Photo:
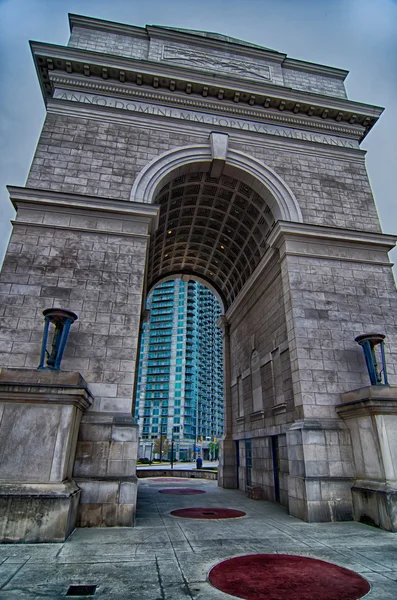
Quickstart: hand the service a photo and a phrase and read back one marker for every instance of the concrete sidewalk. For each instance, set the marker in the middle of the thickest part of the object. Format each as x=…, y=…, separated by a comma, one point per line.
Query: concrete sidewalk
x=167, y=558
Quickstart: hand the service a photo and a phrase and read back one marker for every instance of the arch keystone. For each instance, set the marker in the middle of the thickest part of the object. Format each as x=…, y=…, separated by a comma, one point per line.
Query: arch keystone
x=266, y=182
x=219, y=147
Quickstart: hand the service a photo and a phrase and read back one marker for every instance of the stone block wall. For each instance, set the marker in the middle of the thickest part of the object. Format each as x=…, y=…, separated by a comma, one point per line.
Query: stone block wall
x=332, y=188
x=262, y=466
x=334, y=290
x=260, y=324
x=313, y=82
x=96, y=157
x=88, y=263
x=109, y=43
x=262, y=473
x=333, y=301
x=321, y=471
x=99, y=157
x=284, y=469
x=104, y=470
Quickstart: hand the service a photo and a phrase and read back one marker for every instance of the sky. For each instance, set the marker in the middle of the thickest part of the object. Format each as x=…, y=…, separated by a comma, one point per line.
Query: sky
x=356, y=35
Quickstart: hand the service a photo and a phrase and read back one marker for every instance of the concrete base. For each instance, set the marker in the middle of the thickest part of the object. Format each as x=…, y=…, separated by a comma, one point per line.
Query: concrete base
x=375, y=506
x=105, y=470
x=38, y=512
x=371, y=415
x=322, y=499
x=109, y=502
x=40, y=413
x=321, y=470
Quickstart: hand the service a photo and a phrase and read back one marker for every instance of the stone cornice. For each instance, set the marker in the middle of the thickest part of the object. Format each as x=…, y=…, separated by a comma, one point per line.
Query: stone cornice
x=182, y=81
x=305, y=232
x=368, y=401
x=138, y=210
x=29, y=393
x=96, y=85
x=367, y=407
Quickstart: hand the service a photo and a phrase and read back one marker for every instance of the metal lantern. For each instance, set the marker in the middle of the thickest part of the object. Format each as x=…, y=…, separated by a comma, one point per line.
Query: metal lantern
x=369, y=342
x=62, y=320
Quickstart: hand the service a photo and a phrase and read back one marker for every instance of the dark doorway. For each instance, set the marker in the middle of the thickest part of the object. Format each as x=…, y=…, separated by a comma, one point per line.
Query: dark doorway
x=276, y=467
x=238, y=463
x=248, y=462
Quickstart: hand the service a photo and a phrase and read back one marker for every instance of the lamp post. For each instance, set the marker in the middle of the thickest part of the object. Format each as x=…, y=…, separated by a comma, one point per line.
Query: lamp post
x=151, y=452
x=175, y=429
x=196, y=454
x=172, y=449
x=368, y=342
x=62, y=320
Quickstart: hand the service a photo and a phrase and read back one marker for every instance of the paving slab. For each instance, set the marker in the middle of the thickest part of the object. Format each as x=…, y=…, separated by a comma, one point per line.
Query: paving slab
x=169, y=558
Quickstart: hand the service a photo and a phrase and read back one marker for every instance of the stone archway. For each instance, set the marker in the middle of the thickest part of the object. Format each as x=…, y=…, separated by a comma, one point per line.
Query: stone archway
x=215, y=219
x=297, y=291
x=178, y=161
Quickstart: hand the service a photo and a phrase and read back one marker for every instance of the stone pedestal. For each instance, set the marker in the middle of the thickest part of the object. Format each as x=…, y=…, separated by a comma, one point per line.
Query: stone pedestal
x=371, y=415
x=105, y=470
x=321, y=471
x=40, y=413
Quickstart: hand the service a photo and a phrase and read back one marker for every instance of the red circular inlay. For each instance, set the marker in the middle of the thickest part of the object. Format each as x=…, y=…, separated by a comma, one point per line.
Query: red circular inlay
x=286, y=577
x=181, y=491
x=167, y=479
x=208, y=513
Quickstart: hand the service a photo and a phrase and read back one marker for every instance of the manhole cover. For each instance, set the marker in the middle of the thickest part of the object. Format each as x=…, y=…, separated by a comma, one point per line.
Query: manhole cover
x=81, y=590
x=181, y=491
x=207, y=513
x=286, y=577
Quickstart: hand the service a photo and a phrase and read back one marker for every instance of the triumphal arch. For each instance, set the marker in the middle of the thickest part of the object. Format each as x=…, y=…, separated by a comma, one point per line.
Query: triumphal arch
x=170, y=152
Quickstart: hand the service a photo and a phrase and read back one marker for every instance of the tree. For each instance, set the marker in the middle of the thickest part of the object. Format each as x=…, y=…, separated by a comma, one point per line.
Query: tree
x=161, y=447
x=213, y=449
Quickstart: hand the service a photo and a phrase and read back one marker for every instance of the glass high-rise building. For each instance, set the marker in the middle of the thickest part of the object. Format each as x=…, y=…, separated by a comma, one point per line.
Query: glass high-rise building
x=179, y=392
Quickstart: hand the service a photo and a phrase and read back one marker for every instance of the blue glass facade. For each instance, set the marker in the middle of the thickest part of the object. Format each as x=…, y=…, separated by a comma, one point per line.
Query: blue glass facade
x=180, y=378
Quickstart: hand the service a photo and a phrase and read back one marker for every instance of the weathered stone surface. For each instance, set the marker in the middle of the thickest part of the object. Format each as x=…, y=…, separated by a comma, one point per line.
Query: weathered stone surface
x=41, y=414
x=105, y=468
x=40, y=417
x=38, y=512
x=134, y=42
x=371, y=415
x=107, y=502
x=111, y=153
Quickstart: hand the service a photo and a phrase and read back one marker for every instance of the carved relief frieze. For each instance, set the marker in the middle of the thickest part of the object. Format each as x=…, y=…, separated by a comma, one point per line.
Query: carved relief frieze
x=216, y=61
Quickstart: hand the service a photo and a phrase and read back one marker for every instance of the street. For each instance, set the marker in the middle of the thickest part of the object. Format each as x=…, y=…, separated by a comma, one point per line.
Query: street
x=179, y=465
